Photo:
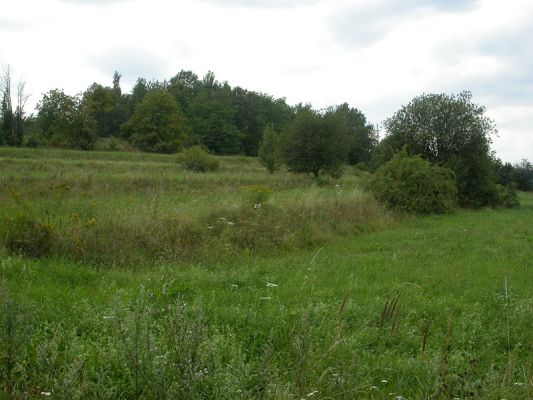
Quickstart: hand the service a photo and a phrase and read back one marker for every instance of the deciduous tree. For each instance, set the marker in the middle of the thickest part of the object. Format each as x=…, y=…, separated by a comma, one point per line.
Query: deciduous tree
x=452, y=131
x=157, y=124
x=269, y=151
x=315, y=143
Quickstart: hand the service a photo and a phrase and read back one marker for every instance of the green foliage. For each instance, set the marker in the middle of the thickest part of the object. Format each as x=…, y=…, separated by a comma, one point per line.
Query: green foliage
x=12, y=117
x=522, y=175
x=64, y=121
x=100, y=104
x=254, y=113
x=212, y=118
x=362, y=136
x=269, y=151
x=157, y=124
x=7, y=126
x=315, y=143
x=34, y=140
x=196, y=159
x=507, y=196
x=412, y=184
x=451, y=131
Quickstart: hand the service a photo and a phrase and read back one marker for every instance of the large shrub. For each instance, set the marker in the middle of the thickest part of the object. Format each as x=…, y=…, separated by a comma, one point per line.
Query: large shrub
x=414, y=185
x=196, y=159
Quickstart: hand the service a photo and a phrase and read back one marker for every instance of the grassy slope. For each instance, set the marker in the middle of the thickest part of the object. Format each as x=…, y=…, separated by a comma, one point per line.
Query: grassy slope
x=323, y=326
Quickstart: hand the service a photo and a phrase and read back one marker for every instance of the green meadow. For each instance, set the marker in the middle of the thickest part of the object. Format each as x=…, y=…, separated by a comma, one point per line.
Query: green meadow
x=124, y=276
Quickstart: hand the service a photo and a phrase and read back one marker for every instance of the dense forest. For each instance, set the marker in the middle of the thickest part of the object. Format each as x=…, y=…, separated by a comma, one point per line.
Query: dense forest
x=164, y=117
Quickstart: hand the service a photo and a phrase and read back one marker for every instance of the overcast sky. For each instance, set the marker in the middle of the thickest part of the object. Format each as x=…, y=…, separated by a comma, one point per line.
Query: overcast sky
x=374, y=54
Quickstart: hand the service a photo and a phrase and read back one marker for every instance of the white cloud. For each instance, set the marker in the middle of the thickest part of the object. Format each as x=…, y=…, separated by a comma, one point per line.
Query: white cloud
x=376, y=55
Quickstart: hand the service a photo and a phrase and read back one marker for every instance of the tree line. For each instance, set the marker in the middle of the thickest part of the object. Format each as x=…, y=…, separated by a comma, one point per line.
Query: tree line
x=167, y=116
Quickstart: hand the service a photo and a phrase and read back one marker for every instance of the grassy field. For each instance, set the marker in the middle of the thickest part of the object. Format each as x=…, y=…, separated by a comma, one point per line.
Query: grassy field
x=150, y=282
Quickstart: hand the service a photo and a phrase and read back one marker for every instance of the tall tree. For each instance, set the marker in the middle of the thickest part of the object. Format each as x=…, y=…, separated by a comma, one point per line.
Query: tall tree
x=7, y=130
x=120, y=108
x=12, y=127
x=157, y=124
x=363, y=137
x=212, y=118
x=65, y=120
x=19, y=117
x=315, y=143
x=184, y=87
x=100, y=103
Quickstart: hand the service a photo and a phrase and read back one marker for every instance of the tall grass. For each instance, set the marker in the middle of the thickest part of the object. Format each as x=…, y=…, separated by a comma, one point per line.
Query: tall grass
x=130, y=212
x=250, y=286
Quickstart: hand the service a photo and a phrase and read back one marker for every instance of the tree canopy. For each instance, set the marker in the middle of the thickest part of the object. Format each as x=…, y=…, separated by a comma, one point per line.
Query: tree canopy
x=65, y=121
x=157, y=124
x=361, y=135
x=315, y=143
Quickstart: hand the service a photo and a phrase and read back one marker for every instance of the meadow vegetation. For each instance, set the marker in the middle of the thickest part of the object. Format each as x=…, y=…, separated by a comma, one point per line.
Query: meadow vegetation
x=123, y=275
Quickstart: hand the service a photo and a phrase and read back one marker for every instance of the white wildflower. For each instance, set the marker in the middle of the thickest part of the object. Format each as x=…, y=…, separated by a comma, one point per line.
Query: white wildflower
x=265, y=298
x=271, y=285
x=384, y=381
x=47, y=394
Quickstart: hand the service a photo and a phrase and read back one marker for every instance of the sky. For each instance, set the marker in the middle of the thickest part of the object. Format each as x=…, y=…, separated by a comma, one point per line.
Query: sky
x=376, y=55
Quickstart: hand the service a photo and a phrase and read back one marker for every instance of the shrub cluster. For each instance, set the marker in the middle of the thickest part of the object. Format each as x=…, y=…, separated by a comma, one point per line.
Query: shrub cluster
x=412, y=184
x=196, y=159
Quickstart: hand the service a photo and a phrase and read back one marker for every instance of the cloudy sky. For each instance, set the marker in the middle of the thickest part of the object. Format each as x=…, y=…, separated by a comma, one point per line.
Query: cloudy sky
x=374, y=54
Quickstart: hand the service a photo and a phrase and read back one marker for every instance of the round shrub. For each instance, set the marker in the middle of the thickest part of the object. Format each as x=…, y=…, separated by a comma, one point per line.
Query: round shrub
x=196, y=159
x=414, y=185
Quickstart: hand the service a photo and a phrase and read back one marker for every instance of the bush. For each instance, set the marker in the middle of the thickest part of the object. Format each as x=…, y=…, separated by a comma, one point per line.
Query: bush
x=34, y=141
x=507, y=196
x=269, y=151
x=414, y=185
x=256, y=194
x=196, y=159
